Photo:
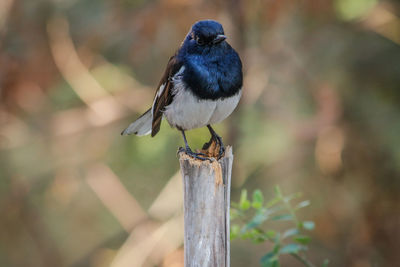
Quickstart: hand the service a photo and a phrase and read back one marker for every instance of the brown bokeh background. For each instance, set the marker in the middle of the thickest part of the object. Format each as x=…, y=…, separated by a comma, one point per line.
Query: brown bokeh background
x=320, y=114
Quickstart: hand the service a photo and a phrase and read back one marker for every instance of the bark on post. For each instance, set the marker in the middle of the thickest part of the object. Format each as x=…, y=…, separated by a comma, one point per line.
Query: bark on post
x=206, y=210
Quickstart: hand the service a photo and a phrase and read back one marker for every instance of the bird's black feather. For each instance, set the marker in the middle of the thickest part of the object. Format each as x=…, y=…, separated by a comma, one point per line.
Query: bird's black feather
x=165, y=98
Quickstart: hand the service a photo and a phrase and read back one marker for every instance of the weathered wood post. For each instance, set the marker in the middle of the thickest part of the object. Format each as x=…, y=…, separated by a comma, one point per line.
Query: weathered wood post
x=206, y=189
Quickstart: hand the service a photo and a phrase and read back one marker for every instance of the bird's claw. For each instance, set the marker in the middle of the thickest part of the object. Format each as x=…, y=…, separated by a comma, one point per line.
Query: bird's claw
x=218, y=141
x=192, y=154
x=221, y=151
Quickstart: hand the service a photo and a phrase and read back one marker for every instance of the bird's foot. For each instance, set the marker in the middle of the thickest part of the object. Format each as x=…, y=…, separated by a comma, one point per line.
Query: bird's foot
x=199, y=156
x=207, y=145
x=221, y=146
x=214, y=148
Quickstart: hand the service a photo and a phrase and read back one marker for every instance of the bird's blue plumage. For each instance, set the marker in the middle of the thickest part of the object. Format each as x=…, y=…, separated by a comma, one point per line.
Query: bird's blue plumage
x=212, y=71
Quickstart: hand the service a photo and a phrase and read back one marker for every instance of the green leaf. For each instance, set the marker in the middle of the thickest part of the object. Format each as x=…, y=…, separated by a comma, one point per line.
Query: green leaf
x=258, y=196
x=292, y=248
x=302, y=204
x=258, y=219
x=308, y=225
x=258, y=236
x=259, y=239
x=243, y=196
x=273, y=202
x=256, y=205
x=270, y=260
x=261, y=216
x=283, y=217
x=258, y=199
x=290, y=232
x=277, y=242
x=270, y=234
x=325, y=263
x=244, y=203
x=254, y=233
x=277, y=248
x=302, y=239
x=244, y=234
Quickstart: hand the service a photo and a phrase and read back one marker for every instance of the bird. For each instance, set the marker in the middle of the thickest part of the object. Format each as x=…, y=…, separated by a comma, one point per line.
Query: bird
x=201, y=86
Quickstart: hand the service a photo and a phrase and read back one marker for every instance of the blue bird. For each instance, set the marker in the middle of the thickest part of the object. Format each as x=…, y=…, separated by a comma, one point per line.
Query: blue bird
x=202, y=85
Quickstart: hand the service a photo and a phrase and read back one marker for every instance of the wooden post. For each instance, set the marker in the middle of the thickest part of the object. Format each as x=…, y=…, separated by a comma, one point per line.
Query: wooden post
x=206, y=210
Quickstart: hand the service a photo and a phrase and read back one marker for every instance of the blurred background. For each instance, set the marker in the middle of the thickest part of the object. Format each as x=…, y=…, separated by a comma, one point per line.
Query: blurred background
x=320, y=114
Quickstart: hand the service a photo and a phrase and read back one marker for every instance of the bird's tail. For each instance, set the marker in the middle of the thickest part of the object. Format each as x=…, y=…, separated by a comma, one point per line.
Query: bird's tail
x=141, y=126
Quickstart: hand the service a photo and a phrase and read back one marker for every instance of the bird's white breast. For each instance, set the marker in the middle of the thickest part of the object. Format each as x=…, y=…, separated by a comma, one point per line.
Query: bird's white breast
x=224, y=108
x=188, y=112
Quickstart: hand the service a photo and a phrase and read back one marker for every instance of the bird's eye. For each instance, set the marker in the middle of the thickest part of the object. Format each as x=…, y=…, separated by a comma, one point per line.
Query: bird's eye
x=200, y=41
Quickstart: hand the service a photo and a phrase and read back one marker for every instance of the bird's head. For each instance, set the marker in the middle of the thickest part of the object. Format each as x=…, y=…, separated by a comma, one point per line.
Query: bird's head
x=206, y=33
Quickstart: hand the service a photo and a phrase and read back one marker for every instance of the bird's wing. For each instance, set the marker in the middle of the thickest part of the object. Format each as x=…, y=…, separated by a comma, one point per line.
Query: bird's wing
x=164, y=94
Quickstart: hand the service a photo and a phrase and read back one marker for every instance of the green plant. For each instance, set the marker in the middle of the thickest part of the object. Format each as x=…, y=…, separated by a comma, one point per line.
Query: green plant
x=250, y=218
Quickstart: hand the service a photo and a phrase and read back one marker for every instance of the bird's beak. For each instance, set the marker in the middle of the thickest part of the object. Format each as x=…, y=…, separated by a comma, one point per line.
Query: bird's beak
x=219, y=38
